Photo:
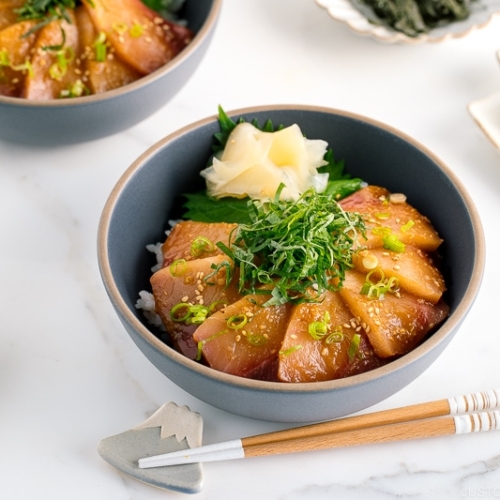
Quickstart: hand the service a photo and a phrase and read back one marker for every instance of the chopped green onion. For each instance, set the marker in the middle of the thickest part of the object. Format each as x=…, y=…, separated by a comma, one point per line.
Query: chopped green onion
x=354, y=346
x=406, y=227
x=290, y=350
x=201, y=245
x=256, y=339
x=5, y=61
x=318, y=329
x=64, y=57
x=392, y=242
x=189, y=313
x=136, y=30
x=4, y=58
x=335, y=337
x=75, y=89
x=237, y=321
x=177, y=316
x=382, y=230
x=120, y=27
x=378, y=289
x=178, y=267
x=201, y=343
x=100, y=47
x=213, y=305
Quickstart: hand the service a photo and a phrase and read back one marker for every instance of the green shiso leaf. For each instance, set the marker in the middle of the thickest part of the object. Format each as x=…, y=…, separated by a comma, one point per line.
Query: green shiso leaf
x=203, y=208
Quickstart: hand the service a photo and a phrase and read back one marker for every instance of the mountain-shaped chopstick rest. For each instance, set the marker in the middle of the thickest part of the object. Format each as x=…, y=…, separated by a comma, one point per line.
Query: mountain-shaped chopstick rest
x=170, y=428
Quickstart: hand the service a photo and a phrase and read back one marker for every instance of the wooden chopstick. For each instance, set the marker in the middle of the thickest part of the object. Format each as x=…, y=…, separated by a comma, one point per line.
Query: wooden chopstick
x=410, y=422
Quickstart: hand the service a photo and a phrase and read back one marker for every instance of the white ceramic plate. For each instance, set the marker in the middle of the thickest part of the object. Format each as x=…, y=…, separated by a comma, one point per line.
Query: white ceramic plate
x=486, y=113
x=482, y=12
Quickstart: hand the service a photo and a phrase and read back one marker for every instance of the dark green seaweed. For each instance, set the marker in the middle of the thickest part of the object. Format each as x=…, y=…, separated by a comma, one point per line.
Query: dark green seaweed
x=414, y=17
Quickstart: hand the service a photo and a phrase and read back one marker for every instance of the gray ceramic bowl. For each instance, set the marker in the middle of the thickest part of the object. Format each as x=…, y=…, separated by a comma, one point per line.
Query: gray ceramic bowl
x=140, y=205
x=66, y=121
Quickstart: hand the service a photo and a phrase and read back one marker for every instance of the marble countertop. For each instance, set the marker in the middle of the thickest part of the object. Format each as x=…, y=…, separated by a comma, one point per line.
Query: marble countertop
x=70, y=375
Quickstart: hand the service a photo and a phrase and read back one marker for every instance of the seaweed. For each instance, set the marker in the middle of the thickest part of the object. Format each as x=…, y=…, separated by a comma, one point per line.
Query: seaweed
x=414, y=17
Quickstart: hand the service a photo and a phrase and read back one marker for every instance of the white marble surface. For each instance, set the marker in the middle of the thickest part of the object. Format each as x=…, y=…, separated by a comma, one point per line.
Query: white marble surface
x=69, y=374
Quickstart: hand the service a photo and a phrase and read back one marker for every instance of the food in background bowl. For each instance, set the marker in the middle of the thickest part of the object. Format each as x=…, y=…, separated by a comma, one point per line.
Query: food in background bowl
x=49, y=122
x=150, y=192
x=325, y=278
x=57, y=49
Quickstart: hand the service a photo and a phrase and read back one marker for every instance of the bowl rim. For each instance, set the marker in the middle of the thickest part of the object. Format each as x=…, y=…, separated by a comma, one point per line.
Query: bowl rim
x=207, y=27
x=452, y=322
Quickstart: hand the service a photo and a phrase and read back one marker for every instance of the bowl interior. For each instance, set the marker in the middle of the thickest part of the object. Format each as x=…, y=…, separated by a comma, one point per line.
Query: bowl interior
x=148, y=195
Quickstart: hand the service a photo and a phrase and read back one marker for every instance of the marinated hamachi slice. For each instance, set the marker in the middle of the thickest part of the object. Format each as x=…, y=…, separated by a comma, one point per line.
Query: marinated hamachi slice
x=342, y=351
x=8, y=14
x=190, y=283
x=51, y=77
x=396, y=324
x=107, y=74
x=14, y=53
x=244, y=338
x=385, y=214
x=139, y=35
x=193, y=240
x=414, y=269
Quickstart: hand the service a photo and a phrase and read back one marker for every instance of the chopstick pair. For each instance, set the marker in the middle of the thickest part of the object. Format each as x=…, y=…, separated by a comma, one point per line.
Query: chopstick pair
x=458, y=415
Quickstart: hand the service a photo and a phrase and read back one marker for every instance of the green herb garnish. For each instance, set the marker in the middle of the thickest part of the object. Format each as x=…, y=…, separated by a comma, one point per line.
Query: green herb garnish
x=167, y=8
x=44, y=11
x=295, y=246
x=378, y=289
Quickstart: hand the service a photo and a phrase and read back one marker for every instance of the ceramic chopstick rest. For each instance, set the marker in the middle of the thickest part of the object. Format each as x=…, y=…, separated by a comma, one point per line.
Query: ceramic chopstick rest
x=170, y=428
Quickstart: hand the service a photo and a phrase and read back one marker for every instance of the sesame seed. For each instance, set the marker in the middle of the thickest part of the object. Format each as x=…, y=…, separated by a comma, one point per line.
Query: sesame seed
x=397, y=198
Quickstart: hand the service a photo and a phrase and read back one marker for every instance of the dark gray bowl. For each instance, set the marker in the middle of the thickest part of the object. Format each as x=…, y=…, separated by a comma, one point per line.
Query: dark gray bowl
x=66, y=121
x=140, y=205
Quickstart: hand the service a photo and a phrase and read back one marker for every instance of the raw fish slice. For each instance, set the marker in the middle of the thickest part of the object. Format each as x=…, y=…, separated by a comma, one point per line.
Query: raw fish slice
x=41, y=85
x=8, y=14
x=14, y=50
x=414, y=269
x=139, y=35
x=179, y=243
x=187, y=285
x=384, y=216
x=101, y=76
x=396, y=324
x=336, y=355
x=249, y=351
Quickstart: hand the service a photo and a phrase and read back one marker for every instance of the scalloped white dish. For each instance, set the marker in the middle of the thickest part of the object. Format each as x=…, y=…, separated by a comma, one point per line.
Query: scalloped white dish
x=486, y=113
x=482, y=12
